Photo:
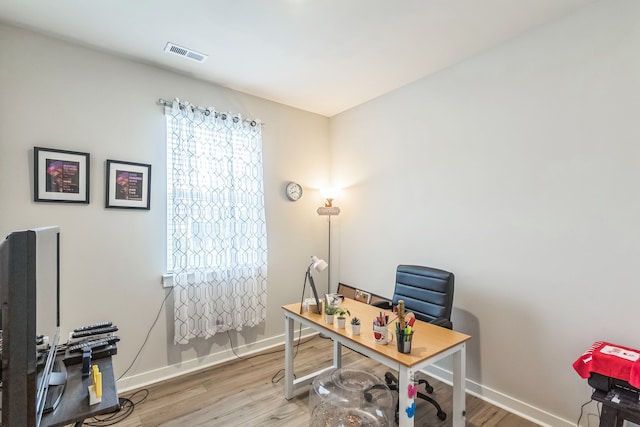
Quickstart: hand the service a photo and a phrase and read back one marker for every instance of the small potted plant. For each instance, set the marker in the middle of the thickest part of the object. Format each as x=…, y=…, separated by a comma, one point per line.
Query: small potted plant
x=341, y=319
x=329, y=312
x=355, y=326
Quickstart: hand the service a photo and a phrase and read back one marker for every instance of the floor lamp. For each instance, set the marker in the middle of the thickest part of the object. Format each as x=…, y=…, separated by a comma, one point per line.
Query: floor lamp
x=328, y=210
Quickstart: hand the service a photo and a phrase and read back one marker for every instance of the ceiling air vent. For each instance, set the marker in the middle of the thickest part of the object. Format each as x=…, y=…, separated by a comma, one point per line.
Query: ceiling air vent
x=183, y=51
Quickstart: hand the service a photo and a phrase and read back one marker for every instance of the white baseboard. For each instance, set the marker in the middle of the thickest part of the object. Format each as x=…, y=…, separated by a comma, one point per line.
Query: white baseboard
x=147, y=378
x=502, y=400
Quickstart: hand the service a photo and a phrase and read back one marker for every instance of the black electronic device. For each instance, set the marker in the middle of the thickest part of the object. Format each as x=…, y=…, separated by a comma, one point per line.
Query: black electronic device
x=86, y=362
x=620, y=400
x=94, y=343
x=97, y=325
x=623, y=398
x=54, y=394
x=606, y=384
x=75, y=357
x=95, y=331
x=29, y=301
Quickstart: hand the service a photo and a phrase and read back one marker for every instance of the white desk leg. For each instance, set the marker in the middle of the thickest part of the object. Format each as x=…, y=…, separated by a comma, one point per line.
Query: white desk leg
x=337, y=355
x=404, y=402
x=288, y=357
x=459, y=375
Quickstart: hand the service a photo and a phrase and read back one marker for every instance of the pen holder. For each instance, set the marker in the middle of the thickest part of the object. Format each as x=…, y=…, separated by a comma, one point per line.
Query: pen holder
x=404, y=341
x=381, y=334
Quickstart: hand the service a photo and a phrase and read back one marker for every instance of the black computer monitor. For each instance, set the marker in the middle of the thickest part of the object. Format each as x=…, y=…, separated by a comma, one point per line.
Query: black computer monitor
x=30, y=306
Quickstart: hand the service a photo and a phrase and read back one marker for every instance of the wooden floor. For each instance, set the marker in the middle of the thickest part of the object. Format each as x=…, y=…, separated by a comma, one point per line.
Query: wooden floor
x=250, y=393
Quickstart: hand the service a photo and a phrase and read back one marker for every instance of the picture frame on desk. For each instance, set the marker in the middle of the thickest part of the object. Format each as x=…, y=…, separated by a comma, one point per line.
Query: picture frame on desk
x=128, y=185
x=362, y=296
x=60, y=176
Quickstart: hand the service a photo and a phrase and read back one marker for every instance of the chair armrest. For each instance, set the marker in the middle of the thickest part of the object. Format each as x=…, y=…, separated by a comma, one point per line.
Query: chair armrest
x=445, y=323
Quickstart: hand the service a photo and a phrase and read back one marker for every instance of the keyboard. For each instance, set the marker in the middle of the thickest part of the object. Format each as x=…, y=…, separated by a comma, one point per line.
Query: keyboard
x=95, y=331
x=75, y=357
x=96, y=343
x=93, y=326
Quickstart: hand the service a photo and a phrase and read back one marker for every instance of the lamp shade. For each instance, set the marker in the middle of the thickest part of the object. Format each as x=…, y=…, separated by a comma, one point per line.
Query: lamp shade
x=329, y=193
x=318, y=264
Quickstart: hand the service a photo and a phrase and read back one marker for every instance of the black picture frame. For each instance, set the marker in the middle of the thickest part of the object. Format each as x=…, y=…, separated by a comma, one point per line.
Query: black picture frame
x=128, y=185
x=60, y=176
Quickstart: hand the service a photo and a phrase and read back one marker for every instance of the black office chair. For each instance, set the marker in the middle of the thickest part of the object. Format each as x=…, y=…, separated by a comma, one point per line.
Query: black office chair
x=427, y=293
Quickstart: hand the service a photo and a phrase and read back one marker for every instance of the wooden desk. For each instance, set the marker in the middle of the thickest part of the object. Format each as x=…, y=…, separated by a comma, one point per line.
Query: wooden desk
x=430, y=344
x=74, y=405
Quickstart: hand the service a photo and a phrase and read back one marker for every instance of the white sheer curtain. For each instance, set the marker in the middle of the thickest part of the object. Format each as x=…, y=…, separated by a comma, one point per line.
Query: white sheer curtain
x=216, y=228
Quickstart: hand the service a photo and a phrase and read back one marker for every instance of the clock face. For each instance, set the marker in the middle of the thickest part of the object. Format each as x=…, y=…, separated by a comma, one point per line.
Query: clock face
x=294, y=191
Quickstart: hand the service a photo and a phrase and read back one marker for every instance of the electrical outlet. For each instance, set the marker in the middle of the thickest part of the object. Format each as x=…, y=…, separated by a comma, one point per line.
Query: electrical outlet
x=167, y=280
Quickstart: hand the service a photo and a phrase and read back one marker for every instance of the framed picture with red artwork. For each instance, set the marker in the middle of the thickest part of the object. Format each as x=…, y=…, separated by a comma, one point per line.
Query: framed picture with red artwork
x=60, y=176
x=128, y=185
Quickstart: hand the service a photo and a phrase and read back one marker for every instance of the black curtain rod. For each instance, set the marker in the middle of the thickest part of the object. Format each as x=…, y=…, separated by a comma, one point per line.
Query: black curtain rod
x=207, y=112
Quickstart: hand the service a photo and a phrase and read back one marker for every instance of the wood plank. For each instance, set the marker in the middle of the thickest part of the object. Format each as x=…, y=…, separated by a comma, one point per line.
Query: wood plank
x=250, y=393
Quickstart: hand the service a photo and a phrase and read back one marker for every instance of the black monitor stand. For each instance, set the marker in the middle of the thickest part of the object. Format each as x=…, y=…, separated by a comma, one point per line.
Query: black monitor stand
x=74, y=407
x=57, y=382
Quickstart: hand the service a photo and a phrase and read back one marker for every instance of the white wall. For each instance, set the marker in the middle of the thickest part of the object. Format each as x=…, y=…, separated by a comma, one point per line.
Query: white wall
x=54, y=94
x=518, y=170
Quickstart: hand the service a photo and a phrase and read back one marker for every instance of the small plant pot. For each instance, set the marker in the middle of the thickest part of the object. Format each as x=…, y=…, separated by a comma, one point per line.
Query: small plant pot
x=328, y=318
x=355, y=329
x=342, y=321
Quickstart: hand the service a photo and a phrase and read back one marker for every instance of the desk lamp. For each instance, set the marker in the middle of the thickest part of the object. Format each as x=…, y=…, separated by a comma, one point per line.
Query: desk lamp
x=318, y=265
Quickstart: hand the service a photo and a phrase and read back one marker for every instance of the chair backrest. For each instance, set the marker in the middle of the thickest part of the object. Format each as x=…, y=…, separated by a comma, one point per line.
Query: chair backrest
x=427, y=292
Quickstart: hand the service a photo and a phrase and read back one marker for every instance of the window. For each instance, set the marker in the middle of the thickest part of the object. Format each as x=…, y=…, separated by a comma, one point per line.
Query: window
x=216, y=228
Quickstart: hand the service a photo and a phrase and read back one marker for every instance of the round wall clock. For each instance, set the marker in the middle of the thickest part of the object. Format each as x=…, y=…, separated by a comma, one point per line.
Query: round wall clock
x=293, y=191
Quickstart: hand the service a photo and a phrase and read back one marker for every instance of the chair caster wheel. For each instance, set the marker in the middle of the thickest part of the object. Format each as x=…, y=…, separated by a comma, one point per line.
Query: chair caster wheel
x=442, y=415
x=427, y=386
